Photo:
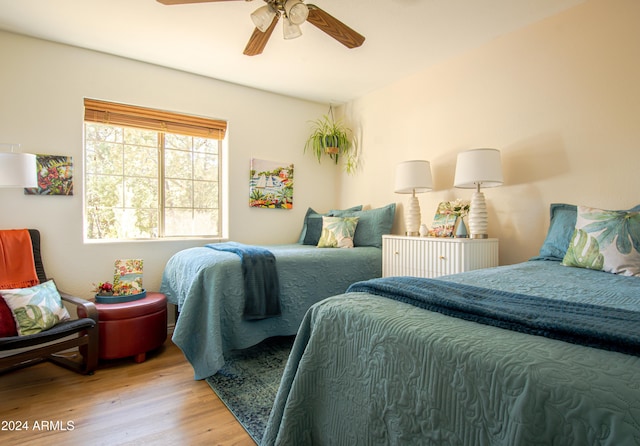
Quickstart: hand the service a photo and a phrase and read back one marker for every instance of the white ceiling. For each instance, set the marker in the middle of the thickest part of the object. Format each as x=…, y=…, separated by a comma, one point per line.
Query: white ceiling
x=402, y=37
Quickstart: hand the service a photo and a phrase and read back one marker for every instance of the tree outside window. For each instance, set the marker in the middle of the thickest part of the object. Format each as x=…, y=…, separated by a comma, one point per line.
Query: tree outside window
x=148, y=184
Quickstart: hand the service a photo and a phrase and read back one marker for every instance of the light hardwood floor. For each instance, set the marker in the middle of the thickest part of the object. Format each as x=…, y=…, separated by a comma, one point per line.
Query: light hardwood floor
x=156, y=402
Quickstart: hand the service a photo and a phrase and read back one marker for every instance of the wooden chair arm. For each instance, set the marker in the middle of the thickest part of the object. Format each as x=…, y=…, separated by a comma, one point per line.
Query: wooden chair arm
x=89, y=307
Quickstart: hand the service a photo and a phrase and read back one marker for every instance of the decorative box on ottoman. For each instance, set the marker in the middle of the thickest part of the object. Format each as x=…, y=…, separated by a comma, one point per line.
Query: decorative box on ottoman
x=132, y=328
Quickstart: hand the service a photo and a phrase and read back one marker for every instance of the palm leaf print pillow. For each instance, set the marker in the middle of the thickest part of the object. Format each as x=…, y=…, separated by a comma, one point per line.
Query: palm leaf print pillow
x=606, y=241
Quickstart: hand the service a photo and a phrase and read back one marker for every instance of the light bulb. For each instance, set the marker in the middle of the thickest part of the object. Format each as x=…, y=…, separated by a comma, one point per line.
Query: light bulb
x=297, y=12
x=290, y=30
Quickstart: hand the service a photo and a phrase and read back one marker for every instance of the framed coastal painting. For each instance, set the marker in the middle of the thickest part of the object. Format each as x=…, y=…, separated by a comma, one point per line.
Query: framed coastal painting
x=271, y=184
x=55, y=176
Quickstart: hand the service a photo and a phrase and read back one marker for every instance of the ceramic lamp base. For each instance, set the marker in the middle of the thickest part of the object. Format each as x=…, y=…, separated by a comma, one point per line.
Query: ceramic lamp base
x=412, y=217
x=478, y=216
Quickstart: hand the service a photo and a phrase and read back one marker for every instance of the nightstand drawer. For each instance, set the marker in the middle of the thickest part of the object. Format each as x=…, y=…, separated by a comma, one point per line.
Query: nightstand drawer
x=432, y=257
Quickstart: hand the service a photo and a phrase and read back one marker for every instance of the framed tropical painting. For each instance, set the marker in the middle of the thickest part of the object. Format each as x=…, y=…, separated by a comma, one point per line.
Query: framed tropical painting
x=271, y=184
x=55, y=176
x=443, y=222
x=127, y=278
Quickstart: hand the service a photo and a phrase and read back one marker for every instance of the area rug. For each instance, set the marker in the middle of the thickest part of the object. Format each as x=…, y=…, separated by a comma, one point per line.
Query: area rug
x=249, y=380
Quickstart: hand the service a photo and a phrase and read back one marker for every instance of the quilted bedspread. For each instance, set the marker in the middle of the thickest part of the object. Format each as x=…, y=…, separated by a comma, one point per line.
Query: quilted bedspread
x=207, y=286
x=367, y=370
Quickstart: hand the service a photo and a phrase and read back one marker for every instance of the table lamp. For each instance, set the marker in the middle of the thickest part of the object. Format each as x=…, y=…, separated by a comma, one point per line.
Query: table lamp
x=17, y=169
x=413, y=177
x=475, y=168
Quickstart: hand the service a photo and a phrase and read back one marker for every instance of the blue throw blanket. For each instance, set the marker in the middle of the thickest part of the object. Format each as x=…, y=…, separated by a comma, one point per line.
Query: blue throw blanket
x=261, y=286
x=579, y=323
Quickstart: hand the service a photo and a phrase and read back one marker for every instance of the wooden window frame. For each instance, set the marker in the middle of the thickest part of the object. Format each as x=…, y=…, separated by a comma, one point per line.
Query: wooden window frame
x=123, y=115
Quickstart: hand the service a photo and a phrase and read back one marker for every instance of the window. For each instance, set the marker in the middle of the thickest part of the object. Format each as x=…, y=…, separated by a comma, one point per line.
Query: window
x=150, y=174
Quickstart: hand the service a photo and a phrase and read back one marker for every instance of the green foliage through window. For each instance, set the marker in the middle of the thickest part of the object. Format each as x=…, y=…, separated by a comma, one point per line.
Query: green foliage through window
x=145, y=184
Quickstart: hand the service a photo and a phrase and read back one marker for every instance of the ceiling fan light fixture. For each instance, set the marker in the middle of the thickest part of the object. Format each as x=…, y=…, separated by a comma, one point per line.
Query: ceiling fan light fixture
x=290, y=30
x=297, y=12
x=263, y=16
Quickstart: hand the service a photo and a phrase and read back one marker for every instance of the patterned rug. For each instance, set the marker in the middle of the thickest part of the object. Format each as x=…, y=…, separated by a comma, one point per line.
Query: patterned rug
x=248, y=382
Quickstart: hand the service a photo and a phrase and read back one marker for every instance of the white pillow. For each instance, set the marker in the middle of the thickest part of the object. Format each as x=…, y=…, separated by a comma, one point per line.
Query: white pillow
x=36, y=308
x=606, y=240
x=337, y=232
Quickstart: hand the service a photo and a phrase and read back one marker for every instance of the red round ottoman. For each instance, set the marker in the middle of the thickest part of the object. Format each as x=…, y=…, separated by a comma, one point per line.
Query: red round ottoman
x=132, y=328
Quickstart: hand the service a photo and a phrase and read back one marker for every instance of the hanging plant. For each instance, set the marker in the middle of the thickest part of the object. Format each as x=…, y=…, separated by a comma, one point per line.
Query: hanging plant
x=330, y=137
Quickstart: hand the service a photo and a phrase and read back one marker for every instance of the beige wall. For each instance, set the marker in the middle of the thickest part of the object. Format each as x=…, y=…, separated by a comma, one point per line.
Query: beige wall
x=42, y=86
x=560, y=98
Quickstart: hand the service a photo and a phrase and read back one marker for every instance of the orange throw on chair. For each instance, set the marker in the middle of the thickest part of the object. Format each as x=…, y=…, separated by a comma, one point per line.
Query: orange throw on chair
x=17, y=268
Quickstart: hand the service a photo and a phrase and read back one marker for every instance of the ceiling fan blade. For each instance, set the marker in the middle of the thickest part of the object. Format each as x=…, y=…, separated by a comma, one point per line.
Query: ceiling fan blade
x=184, y=2
x=259, y=39
x=334, y=27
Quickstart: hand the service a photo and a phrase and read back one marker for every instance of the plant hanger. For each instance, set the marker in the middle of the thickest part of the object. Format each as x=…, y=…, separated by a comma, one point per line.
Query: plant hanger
x=333, y=139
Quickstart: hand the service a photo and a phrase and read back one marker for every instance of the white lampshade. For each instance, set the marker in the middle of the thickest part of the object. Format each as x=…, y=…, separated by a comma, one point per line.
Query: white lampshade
x=18, y=170
x=478, y=167
x=475, y=168
x=413, y=177
x=263, y=16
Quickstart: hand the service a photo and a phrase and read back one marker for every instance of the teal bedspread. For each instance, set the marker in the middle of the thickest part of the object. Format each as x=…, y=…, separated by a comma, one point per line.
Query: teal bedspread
x=367, y=370
x=207, y=286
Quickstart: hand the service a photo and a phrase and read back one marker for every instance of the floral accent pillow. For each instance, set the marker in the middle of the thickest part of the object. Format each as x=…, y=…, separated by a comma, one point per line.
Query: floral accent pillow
x=337, y=232
x=606, y=240
x=37, y=308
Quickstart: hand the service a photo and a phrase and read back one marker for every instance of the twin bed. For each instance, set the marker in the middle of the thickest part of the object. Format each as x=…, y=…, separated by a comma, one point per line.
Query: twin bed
x=208, y=286
x=366, y=368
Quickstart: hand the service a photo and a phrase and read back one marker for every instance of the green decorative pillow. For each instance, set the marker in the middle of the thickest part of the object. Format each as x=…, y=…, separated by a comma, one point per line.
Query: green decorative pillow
x=314, y=230
x=561, y=227
x=373, y=224
x=337, y=232
x=35, y=309
x=312, y=226
x=606, y=240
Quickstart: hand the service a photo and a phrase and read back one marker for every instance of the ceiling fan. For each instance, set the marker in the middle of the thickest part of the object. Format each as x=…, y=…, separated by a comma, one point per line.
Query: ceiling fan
x=294, y=13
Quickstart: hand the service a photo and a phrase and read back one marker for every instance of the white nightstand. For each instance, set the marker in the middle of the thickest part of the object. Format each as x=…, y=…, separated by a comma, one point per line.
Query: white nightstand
x=432, y=257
